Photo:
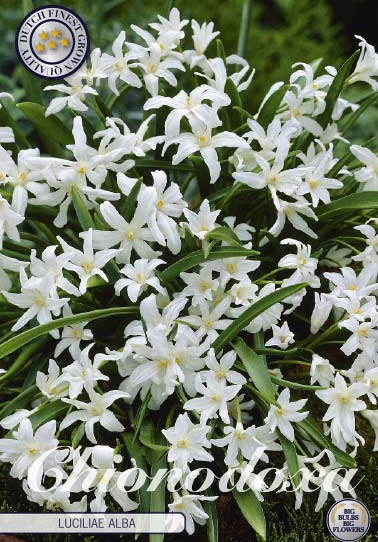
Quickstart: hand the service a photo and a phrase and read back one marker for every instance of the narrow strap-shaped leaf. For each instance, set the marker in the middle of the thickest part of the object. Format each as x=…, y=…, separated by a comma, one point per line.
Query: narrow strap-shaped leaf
x=355, y=115
x=256, y=368
x=254, y=310
x=128, y=209
x=7, y=120
x=224, y=234
x=195, y=258
x=82, y=212
x=311, y=428
x=212, y=522
x=295, y=385
x=353, y=202
x=244, y=27
x=22, y=359
x=268, y=110
x=18, y=402
x=50, y=411
x=13, y=344
x=135, y=451
x=50, y=126
x=252, y=510
x=336, y=88
x=291, y=459
x=162, y=164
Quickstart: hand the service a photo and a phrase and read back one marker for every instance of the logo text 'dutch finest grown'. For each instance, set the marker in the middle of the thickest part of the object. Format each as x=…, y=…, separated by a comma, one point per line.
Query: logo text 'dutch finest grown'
x=52, y=42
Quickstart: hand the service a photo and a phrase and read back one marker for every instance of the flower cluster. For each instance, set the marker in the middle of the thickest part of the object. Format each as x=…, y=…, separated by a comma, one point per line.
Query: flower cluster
x=223, y=331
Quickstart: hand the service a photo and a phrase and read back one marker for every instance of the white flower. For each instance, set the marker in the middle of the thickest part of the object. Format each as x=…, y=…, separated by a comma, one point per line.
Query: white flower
x=372, y=416
x=292, y=211
x=25, y=446
x=95, y=71
x=75, y=91
x=185, y=105
x=128, y=235
x=322, y=309
x=50, y=263
x=36, y=297
x=201, y=223
x=139, y=275
x=22, y=177
x=155, y=67
x=190, y=506
x=273, y=175
x=221, y=369
x=9, y=264
x=237, y=438
x=282, y=336
x=210, y=320
x=367, y=65
x=72, y=336
x=169, y=204
x=201, y=140
x=9, y=220
x=302, y=262
x=51, y=385
x=284, y=413
x=202, y=37
x=96, y=411
x=87, y=264
x=213, y=402
x=172, y=24
x=236, y=269
x=187, y=442
x=368, y=174
x=118, y=65
x=336, y=256
x=199, y=285
x=321, y=371
x=343, y=403
x=83, y=373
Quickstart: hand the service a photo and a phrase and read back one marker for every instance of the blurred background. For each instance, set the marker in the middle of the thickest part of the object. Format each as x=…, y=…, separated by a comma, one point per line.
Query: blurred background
x=281, y=31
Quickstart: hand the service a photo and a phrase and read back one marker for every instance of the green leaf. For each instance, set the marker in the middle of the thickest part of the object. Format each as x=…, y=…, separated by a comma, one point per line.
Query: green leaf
x=212, y=522
x=252, y=510
x=224, y=234
x=23, y=358
x=47, y=412
x=128, y=209
x=336, y=88
x=77, y=434
x=81, y=210
x=142, y=414
x=147, y=437
x=13, y=344
x=268, y=110
x=295, y=385
x=254, y=310
x=27, y=6
x=135, y=451
x=197, y=257
x=18, y=402
x=220, y=50
x=7, y=120
x=256, y=368
x=244, y=28
x=353, y=117
x=316, y=434
x=157, y=502
x=353, y=202
x=162, y=164
x=51, y=129
x=291, y=459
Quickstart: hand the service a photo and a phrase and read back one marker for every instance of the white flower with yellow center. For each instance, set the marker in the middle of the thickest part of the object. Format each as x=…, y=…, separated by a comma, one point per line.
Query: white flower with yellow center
x=187, y=442
x=283, y=413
